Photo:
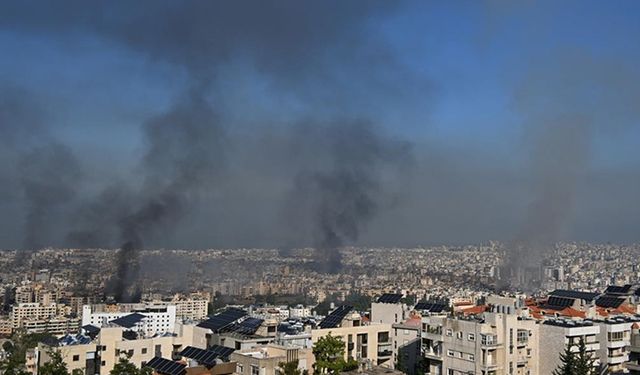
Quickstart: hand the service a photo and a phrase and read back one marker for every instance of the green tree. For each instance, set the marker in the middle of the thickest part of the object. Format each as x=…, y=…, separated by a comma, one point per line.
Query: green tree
x=55, y=366
x=576, y=363
x=290, y=368
x=329, y=353
x=125, y=367
x=567, y=359
x=583, y=361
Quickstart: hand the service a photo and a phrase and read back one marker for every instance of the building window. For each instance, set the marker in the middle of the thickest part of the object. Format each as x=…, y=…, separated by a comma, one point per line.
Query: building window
x=471, y=357
x=449, y=332
x=471, y=337
x=255, y=370
x=240, y=368
x=144, y=350
x=451, y=353
x=615, y=336
x=459, y=335
x=76, y=358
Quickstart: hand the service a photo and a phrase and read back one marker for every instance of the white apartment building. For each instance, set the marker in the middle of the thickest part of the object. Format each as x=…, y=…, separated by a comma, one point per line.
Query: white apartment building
x=299, y=311
x=614, y=339
x=555, y=334
x=502, y=341
x=388, y=309
x=158, y=318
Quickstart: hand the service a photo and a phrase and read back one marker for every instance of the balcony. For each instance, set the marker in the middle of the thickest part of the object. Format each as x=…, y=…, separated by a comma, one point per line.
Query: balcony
x=618, y=359
x=489, y=340
x=617, y=344
x=432, y=353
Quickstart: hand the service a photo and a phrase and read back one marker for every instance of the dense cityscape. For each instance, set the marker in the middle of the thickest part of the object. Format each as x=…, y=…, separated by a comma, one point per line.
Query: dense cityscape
x=319, y=187
x=420, y=310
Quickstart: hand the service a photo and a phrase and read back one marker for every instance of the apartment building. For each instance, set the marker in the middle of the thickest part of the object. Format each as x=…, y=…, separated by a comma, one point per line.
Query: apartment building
x=369, y=343
x=38, y=317
x=266, y=360
x=102, y=353
x=157, y=318
x=389, y=309
x=556, y=334
x=614, y=339
x=501, y=341
x=191, y=308
x=407, y=344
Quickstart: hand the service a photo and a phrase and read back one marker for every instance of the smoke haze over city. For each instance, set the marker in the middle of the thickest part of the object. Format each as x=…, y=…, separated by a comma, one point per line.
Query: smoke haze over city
x=287, y=124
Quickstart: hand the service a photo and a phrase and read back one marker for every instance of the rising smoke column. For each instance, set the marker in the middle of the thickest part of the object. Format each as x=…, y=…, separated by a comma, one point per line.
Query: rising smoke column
x=338, y=188
x=183, y=159
x=565, y=104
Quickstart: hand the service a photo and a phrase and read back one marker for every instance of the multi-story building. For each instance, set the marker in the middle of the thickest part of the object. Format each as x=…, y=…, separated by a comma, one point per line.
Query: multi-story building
x=22, y=312
x=193, y=308
x=614, y=339
x=389, y=309
x=556, y=334
x=368, y=343
x=501, y=341
x=299, y=311
x=267, y=360
x=157, y=318
x=98, y=356
x=407, y=345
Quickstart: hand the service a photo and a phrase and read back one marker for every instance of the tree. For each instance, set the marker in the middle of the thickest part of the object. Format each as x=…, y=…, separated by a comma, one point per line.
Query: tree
x=329, y=353
x=575, y=363
x=566, y=366
x=290, y=368
x=125, y=367
x=55, y=366
x=584, y=361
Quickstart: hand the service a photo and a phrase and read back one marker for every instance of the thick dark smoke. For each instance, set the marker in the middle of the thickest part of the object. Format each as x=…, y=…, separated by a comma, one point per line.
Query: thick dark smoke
x=35, y=169
x=339, y=186
x=184, y=157
x=290, y=43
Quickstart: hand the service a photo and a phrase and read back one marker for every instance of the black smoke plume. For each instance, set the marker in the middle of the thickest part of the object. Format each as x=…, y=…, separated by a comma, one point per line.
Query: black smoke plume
x=338, y=188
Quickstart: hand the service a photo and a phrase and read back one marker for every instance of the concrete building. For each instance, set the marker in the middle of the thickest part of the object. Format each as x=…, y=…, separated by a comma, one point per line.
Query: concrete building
x=614, y=339
x=407, y=348
x=299, y=311
x=369, y=344
x=32, y=311
x=556, y=334
x=266, y=360
x=389, y=309
x=158, y=318
x=102, y=353
x=192, y=308
x=500, y=341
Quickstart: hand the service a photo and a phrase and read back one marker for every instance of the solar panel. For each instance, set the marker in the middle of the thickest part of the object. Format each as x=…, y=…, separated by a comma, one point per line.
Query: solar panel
x=167, y=367
x=559, y=303
x=574, y=294
x=390, y=298
x=609, y=302
x=248, y=326
x=615, y=289
x=222, y=351
x=335, y=318
x=431, y=307
x=202, y=356
x=223, y=319
x=128, y=321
